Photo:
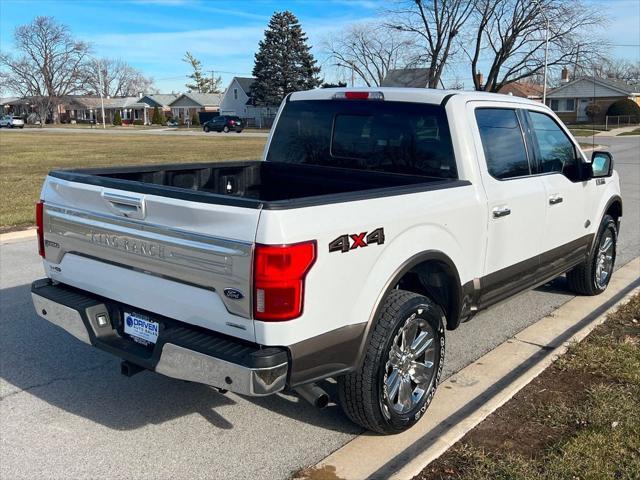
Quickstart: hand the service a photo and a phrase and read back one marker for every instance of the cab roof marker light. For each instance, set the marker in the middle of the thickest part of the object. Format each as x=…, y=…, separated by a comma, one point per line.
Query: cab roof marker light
x=358, y=95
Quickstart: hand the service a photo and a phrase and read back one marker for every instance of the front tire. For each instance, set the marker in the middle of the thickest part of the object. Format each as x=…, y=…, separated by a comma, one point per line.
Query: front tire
x=593, y=275
x=402, y=365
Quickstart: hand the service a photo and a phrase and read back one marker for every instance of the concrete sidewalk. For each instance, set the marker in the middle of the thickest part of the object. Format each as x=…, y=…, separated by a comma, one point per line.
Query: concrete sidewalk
x=616, y=131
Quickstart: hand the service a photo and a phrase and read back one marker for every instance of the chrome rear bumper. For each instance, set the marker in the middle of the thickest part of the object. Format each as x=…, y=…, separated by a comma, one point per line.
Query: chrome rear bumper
x=259, y=375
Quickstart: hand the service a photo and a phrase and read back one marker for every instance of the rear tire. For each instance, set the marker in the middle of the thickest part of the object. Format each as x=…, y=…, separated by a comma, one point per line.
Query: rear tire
x=206, y=128
x=225, y=129
x=402, y=365
x=593, y=275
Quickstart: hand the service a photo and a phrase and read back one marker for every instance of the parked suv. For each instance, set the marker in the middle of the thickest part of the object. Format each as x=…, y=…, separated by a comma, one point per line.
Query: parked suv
x=224, y=123
x=9, y=121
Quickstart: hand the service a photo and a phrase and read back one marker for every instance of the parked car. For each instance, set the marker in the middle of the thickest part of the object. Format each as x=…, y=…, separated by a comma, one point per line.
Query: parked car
x=224, y=123
x=9, y=121
x=172, y=123
x=376, y=220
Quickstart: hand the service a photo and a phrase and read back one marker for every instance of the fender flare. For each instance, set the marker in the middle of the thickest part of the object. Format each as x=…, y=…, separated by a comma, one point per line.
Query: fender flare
x=458, y=302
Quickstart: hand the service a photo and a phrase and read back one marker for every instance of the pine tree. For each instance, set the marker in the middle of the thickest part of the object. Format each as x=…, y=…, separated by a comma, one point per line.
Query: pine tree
x=201, y=83
x=156, y=119
x=284, y=62
x=117, y=119
x=195, y=119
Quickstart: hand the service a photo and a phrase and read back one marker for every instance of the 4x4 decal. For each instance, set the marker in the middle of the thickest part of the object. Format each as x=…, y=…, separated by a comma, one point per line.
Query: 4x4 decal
x=345, y=243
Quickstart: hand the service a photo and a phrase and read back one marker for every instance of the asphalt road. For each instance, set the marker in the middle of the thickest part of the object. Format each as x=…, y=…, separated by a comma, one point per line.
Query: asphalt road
x=66, y=412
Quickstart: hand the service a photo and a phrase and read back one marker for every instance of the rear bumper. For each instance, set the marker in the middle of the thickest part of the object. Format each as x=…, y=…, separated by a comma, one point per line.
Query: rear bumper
x=180, y=352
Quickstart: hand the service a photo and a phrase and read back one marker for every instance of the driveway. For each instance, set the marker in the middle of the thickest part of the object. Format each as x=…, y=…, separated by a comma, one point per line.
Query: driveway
x=66, y=412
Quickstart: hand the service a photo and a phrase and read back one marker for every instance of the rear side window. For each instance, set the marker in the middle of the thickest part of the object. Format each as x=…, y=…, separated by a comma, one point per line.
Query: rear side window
x=502, y=142
x=556, y=151
x=396, y=137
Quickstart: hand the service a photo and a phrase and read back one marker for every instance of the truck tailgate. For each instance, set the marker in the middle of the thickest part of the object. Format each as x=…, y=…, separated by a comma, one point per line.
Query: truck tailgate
x=169, y=256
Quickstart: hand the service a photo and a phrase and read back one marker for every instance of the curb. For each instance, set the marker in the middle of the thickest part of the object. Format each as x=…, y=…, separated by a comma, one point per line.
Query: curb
x=468, y=397
x=19, y=235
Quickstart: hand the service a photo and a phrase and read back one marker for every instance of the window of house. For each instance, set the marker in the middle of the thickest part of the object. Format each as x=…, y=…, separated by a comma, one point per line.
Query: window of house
x=563, y=104
x=235, y=93
x=502, y=142
x=556, y=151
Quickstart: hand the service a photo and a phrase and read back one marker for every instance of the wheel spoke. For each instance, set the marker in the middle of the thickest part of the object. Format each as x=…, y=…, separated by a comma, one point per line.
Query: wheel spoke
x=394, y=355
x=606, y=244
x=393, y=384
x=421, y=373
x=420, y=344
x=408, y=336
x=405, y=394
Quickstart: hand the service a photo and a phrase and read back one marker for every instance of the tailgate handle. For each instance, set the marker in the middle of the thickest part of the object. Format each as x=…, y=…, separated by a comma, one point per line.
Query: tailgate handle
x=130, y=207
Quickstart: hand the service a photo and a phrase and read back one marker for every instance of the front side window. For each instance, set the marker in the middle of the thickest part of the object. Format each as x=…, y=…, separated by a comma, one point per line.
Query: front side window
x=502, y=142
x=556, y=151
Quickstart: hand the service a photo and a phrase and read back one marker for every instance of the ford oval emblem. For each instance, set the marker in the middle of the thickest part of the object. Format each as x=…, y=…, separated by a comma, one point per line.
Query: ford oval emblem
x=233, y=294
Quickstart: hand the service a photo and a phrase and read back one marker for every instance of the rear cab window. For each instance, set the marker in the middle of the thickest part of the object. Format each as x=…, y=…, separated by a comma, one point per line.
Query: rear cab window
x=395, y=137
x=503, y=142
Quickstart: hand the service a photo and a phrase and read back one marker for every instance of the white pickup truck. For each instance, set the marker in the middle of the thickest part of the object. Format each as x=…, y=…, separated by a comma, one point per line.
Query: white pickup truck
x=376, y=220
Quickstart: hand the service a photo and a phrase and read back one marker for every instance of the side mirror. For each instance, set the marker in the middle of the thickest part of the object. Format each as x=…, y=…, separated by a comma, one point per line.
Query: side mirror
x=601, y=164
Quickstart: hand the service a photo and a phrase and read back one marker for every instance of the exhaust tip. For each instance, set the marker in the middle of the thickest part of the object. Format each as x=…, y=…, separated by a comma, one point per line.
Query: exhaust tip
x=313, y=394
x=322, y=401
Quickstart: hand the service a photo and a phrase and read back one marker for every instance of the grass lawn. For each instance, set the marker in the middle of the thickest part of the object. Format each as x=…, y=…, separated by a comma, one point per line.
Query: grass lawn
x=25, y=159
x=632, y=132
x=578, y=420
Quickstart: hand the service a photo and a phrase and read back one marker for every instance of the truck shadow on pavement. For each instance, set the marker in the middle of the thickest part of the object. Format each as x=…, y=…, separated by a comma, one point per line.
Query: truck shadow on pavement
x=48, y=363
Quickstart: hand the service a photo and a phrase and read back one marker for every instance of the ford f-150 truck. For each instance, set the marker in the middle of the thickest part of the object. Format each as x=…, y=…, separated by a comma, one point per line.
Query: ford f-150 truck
x=376, y=220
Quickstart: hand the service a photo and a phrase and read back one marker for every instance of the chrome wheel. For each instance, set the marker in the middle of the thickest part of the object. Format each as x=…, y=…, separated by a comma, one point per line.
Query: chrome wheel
x=410, y=367
x=604, y=259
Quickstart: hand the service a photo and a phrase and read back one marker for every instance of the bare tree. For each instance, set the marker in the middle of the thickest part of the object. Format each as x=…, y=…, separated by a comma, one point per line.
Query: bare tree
x=510, y=36
x=369, y=51
x=116, y=78
x=48, y=65
x=614, y=68
x=437, y=24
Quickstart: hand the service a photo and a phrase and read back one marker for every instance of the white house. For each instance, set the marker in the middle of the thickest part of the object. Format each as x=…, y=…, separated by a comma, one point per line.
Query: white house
x=237, y=101
x=570, y=100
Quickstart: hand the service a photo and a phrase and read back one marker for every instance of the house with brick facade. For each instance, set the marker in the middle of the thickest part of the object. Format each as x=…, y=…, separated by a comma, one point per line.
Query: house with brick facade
x=571, y=99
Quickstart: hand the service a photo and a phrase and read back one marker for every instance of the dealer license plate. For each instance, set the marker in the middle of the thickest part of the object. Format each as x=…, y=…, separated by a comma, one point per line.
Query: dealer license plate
x=141, y=329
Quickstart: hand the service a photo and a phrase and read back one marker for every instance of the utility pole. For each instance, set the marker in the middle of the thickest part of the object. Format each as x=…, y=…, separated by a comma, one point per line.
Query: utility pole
x=212, y=82
x=101, y=88
x=546, y=51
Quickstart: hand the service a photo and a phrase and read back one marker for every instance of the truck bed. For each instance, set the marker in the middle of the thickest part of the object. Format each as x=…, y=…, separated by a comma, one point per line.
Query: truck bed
x=256, y=184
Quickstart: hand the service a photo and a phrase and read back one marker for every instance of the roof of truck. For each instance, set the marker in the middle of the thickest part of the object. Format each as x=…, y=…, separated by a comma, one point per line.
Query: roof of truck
x=424, y=95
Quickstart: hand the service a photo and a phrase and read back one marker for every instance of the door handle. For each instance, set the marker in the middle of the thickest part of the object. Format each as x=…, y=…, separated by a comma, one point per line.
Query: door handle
x=130, y=207
x=501, y=212
x=555, y=199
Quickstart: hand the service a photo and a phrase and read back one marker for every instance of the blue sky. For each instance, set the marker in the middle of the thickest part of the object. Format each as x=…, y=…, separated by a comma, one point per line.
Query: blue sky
x=153, y=35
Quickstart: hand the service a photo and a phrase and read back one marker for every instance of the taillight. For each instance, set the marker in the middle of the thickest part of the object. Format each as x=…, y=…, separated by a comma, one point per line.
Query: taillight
x=278, y=275
x=232, y=122
x=40, y=226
